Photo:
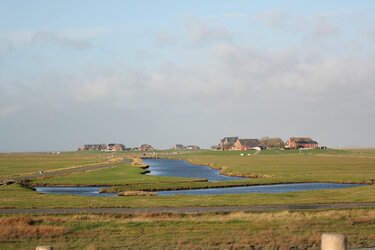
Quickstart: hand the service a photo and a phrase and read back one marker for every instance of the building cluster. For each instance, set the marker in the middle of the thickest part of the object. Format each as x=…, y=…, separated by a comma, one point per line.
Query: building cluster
x=114, y=147
x=235, y=143
x=189, y=147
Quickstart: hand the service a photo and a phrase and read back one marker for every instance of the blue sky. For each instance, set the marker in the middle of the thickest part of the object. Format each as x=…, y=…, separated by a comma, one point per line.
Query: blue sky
x=190, y=72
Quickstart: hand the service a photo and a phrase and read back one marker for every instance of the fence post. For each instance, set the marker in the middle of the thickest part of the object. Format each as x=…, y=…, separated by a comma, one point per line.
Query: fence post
x=333, y=241
x=44, y=248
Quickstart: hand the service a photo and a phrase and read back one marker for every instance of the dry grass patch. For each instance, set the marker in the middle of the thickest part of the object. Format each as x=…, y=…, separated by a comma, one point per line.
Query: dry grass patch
x=25, y=227
x=137, y=193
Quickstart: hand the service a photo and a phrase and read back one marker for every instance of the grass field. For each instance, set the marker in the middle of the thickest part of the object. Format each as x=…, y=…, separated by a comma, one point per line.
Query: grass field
x=236, y=230
x=18, y=164
x=270, y=166
x=311, y=165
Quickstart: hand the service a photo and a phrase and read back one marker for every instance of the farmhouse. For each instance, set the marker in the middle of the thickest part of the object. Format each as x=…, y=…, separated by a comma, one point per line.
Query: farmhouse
x=192, y=147
x=300, y=142
x=146, y=147
x=93, y=147
x=115, y=147
x=178, y=146
x=227, y=143
x=248, y=144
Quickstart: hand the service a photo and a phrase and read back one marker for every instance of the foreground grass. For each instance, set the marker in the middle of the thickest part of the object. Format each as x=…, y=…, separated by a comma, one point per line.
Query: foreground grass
x=237, y=230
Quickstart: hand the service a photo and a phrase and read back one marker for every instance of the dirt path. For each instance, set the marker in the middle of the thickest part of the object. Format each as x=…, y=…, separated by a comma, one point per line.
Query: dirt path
x=186, y=209
x=63, y=171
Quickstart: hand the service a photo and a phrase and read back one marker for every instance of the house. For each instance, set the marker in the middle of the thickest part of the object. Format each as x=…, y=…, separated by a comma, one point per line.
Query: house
x=227, y=143
x=115, y=147
x=146, y=147
x=178, y=146
x=192, y=147
x=93, y=147
x=247, y=144
x=300, y=142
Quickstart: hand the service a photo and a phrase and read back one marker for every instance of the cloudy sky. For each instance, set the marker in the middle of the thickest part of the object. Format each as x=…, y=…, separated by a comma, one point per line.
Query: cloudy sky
x=189, y=72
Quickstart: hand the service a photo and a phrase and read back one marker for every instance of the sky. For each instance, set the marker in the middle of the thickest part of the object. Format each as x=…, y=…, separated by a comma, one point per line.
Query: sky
x=185, y=72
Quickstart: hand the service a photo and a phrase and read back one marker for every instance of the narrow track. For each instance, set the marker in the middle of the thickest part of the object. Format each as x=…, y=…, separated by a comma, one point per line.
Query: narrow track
x=186, y=209
x=62, y=172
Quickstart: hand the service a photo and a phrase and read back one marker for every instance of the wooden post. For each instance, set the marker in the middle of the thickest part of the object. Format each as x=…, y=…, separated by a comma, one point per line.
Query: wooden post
x=333, y=241
x=44, y=248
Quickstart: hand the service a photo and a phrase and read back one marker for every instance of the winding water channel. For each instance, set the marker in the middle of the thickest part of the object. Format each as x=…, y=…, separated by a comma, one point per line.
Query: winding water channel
x=181, y=168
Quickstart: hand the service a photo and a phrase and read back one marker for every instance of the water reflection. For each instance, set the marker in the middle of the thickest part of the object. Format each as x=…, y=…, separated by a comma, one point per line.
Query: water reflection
x=181, y=168
x=263, y=189
x=82, y=191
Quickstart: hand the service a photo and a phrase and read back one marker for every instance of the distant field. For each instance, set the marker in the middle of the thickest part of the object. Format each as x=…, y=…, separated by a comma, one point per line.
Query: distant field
x=362, y=151
x=291, y=165
x=16, y=164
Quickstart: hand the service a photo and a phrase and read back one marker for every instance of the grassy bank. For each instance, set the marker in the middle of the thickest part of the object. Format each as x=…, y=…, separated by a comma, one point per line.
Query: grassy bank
x=237, y=230
x=15, y=196
x=124, y=174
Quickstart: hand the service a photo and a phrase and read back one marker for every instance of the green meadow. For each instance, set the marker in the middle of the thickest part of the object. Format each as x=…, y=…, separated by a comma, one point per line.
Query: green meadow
x=266, y=167
x=18, y=164
x=210, y=230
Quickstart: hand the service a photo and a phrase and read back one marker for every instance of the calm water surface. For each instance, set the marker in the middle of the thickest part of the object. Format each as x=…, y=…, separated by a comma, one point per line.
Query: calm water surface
x=262, y=189
x=181, y=168
x=82, y=191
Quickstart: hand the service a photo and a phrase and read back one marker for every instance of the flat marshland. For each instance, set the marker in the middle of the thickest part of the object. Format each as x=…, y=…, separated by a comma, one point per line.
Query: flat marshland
x=236, y=230
x=270, y=167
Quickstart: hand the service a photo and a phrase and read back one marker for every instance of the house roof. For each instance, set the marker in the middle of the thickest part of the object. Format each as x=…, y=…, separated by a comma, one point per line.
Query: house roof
x=94, y=145
x=297, y=139
x=303, y=140
x=230, y=139
x=249, y=142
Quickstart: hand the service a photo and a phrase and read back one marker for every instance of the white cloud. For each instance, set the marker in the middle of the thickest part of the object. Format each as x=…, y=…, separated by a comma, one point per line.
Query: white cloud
x=164, y=38
x=76, y=38
x=5, y=46
x=49, y=37
x=9, y=110
x=288, y=73
x=201, y=32
x=281, y=20
x=324, y=29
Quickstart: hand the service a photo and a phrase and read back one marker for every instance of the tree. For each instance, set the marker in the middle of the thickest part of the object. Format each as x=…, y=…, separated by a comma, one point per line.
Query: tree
x=274, y=143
